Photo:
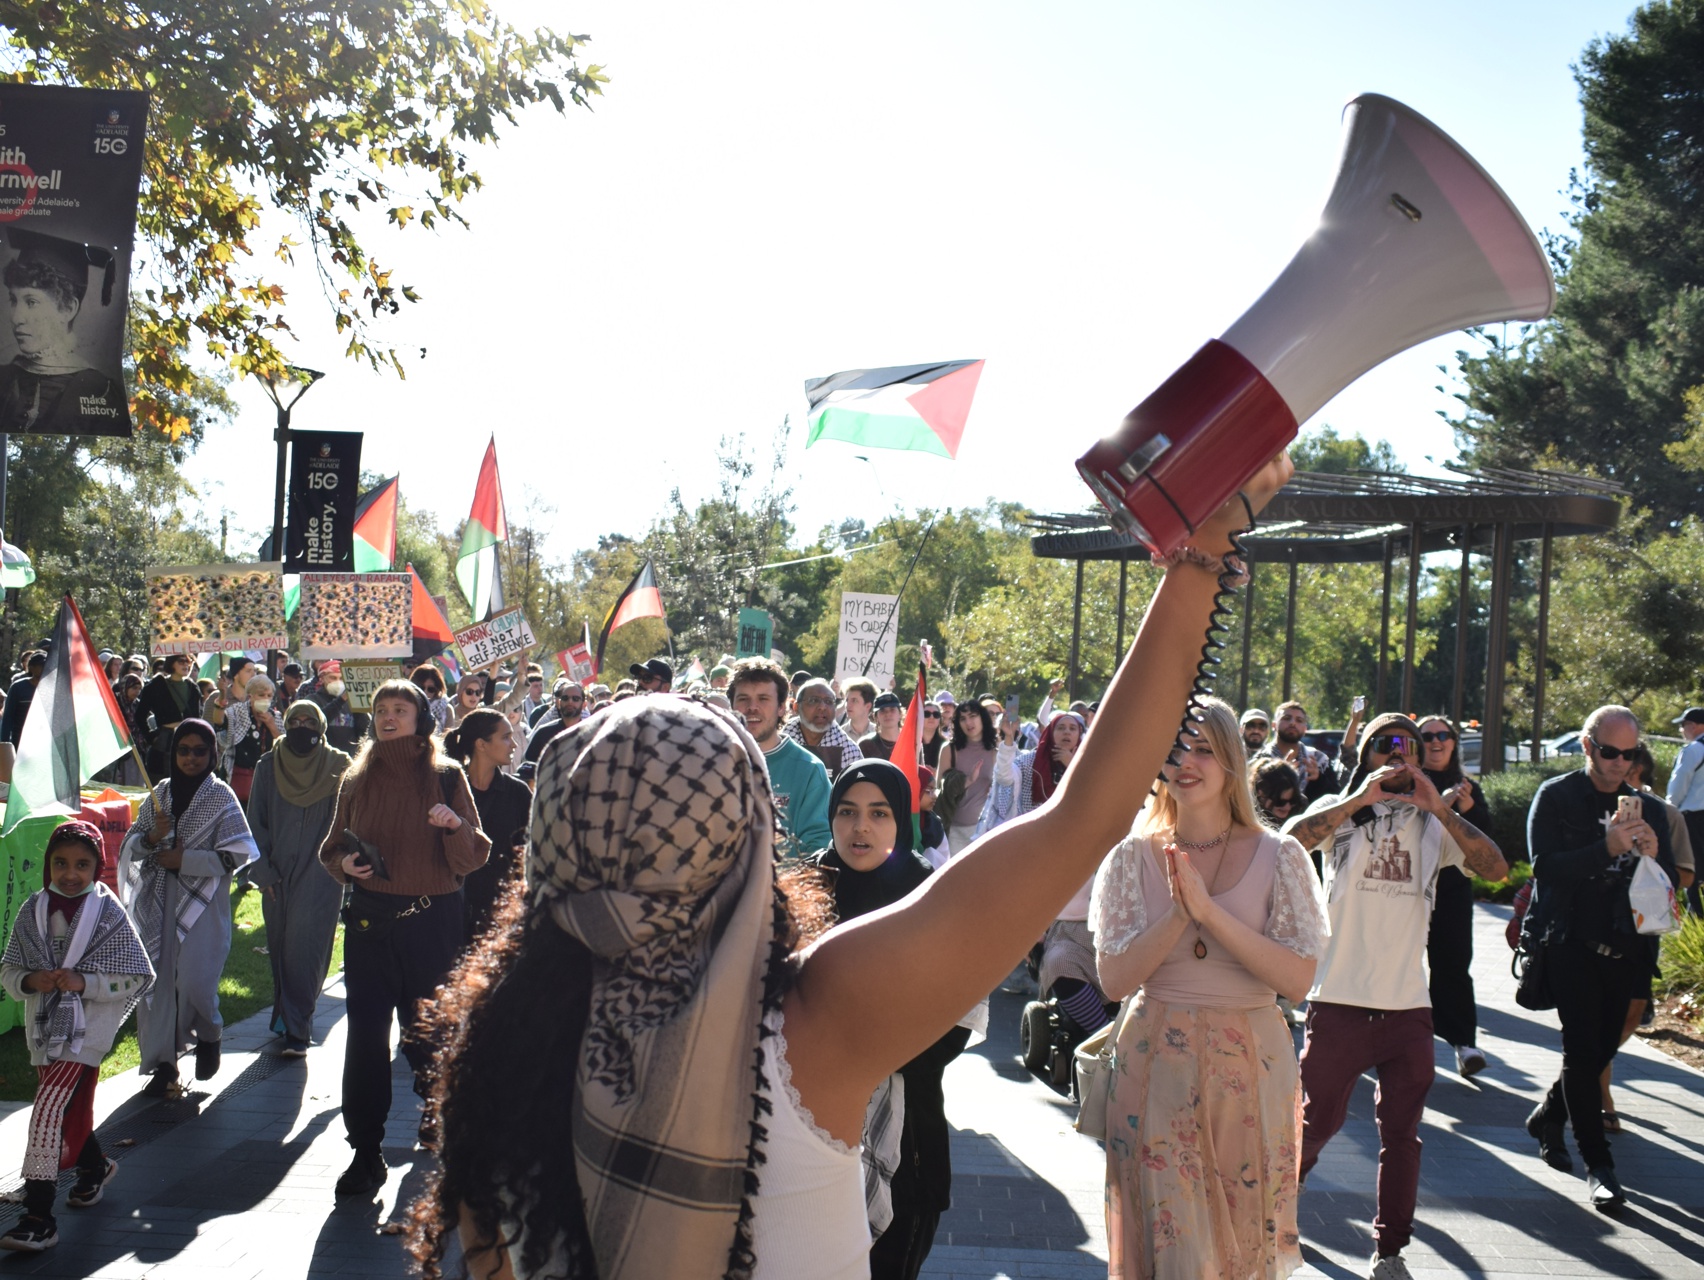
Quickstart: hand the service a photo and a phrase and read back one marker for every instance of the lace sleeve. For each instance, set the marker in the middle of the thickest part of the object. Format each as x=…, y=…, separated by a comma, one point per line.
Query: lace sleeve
x=1297, y=918
x=1117, y=914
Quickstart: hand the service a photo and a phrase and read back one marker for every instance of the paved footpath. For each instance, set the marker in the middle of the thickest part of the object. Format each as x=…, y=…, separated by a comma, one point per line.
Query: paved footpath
x=235, y=1180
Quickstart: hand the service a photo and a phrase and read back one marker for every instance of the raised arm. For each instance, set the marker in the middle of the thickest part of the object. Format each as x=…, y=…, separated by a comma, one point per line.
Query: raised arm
x=973, y=920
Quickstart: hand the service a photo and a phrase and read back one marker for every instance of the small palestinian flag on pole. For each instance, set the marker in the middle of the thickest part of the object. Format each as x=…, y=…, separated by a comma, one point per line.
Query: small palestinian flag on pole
x=921, y=407
x=908, y=750
x=74, y=727
x=375, y=528
x=432, y=633
x=486, y=530
x=15, y=567
x=642, y=599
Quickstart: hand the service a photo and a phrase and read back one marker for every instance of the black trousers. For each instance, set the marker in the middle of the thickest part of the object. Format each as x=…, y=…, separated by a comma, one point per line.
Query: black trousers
x=1592, y=993
x=923, y=1182
x=1695, y=833
x=1449, y=956
x=385, y=975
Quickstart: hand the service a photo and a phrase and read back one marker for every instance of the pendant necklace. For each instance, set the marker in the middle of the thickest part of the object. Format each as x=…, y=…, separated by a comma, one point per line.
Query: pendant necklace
x=1200, y=942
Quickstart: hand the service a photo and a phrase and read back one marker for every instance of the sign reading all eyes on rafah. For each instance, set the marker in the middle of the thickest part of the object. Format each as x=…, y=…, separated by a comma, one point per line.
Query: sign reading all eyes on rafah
x=70, y=165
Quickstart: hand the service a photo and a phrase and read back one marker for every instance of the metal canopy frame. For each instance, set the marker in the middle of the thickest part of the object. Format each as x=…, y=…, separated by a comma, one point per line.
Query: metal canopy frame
x=1379, y=517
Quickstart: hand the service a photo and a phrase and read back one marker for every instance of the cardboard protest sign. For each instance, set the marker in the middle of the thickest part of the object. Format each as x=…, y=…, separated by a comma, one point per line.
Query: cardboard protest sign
x=214, y=608
x=70, y=166
x=362, y=679
x=576, y=663
x=496, y=638
x=356, y=615
x=869, y=625
x=325, y=474
x=756, y=632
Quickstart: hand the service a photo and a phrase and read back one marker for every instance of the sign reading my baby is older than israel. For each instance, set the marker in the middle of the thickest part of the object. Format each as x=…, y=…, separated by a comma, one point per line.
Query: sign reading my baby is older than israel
x=869, y=625
x=70, y=166
x=499, y=636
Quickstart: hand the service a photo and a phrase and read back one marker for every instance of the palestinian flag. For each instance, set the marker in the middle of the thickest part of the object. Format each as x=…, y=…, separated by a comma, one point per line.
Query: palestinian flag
x=74, y=727
x=486, y=530
x=375, y=528
x=642, y=599
x=15, y=567
x=922, y=407
x=432, y=633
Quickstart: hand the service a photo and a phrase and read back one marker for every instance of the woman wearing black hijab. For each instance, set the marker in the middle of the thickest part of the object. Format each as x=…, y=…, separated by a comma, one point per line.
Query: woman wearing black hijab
x=874, y=865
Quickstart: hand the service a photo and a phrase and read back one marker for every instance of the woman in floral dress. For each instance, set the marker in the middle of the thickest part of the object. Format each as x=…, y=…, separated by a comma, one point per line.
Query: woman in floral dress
x=1202, y=918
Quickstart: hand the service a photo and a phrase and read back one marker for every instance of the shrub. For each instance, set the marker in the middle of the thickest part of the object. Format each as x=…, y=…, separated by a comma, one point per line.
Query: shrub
x=1683, y=958
x=1503, y=890
x=1509, y=795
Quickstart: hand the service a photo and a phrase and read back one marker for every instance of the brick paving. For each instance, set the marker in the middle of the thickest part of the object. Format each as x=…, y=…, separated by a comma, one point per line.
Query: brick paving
x=235, y=1181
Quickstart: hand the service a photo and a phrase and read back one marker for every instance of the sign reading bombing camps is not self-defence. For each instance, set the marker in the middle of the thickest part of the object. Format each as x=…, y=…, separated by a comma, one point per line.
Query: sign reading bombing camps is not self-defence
x=70, y=166
x=325, y=473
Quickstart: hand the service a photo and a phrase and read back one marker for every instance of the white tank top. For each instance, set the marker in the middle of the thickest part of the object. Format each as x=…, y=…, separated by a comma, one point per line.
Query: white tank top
x=808, y=1215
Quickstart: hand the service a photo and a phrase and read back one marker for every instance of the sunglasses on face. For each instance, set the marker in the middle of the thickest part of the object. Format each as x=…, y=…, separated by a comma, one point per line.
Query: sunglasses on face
x=931, y=715
x=1281, y=802
x=1442, y=735
x=1391, y=743
x=194, y=753
x=1613, y=753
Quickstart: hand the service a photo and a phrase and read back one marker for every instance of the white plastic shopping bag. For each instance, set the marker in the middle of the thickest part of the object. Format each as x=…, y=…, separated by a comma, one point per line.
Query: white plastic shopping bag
x=1652, y=898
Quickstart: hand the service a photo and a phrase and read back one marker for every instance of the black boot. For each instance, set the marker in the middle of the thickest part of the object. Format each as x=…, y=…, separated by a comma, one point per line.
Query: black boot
x=1552, y=1144
x=162, y=1082
x=1604, y=1188
x=206, y=1059
x=365, y=1174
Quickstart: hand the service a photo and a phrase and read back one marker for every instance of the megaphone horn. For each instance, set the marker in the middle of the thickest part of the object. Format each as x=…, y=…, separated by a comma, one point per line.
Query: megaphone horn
x=1416, y=240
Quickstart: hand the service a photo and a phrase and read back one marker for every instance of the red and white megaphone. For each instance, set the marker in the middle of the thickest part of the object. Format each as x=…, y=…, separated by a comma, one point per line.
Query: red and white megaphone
x=1416, y=240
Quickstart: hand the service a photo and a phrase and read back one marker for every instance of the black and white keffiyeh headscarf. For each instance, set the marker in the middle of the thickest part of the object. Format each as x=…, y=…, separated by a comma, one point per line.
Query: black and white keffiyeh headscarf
x=652, y=843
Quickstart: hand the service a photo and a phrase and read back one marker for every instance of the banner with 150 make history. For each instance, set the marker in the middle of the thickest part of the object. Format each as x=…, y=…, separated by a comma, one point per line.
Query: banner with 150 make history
x=70, y=166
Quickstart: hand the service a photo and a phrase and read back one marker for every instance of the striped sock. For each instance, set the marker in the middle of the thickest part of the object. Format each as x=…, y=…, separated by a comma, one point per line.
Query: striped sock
x=1083, y=1006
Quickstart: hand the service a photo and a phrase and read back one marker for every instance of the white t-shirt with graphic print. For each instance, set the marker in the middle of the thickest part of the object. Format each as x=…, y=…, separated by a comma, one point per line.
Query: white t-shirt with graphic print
x=1381, y=878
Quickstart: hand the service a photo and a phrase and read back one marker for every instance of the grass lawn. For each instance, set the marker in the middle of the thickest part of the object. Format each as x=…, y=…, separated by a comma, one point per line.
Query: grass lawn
x=245, y=988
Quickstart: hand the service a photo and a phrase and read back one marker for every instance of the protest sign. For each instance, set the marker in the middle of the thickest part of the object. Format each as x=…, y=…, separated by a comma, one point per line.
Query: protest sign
x=576, y=663
x=325, y=474
x=356, y=615
x=362, y=679
x=496, y=638
x=70, y=166
x=756, y=633
x=214, y=608
x=869, y=625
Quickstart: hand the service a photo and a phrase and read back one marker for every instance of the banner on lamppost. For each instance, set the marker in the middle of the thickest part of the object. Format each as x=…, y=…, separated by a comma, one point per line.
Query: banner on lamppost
x=325, y=475
x=70, y=167
x=756, y=634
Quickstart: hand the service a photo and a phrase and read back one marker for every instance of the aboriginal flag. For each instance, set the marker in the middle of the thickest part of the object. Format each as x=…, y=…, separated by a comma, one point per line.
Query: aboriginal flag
x=642, y=599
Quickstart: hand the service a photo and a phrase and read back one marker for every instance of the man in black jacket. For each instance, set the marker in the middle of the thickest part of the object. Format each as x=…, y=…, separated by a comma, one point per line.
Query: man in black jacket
x=1583, y=856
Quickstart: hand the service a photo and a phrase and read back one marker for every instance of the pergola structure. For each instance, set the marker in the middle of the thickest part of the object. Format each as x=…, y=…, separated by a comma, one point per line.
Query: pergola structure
x=1381, y=517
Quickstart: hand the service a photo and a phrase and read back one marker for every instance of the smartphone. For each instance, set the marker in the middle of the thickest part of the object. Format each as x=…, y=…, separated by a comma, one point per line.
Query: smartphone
x=1629, y=809
x=1358, y=705
x=1012, y=708
x=367, y=855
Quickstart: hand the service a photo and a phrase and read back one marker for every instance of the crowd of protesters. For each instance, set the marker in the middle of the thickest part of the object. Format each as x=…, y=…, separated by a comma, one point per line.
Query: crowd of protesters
x=1262, y=876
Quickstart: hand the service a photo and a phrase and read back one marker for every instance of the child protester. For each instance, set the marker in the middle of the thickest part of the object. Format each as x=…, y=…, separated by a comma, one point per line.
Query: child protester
x=75, y=962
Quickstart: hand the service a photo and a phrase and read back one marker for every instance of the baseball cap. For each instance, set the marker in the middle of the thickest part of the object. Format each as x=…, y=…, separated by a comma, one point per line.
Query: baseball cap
x=1253, y=714
x=887, y=698
x=1692, y=715
x=655, y=669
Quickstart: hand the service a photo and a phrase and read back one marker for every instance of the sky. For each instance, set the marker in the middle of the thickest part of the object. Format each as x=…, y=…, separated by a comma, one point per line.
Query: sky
x=1080, y=193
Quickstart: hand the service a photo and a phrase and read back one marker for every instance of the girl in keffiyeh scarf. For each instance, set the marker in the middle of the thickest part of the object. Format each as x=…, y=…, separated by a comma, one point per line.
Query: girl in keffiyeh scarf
x=175, y=880
x=75, y=962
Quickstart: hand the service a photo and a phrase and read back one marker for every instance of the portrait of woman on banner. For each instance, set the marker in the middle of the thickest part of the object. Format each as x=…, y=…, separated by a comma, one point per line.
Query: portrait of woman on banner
x=50, y=385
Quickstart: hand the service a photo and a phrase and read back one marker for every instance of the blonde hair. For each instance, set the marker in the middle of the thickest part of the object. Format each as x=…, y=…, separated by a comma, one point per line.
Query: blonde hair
x=1218, y=729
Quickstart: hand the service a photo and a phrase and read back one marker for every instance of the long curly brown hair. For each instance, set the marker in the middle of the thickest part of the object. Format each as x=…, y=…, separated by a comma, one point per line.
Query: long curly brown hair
x=509, y=1023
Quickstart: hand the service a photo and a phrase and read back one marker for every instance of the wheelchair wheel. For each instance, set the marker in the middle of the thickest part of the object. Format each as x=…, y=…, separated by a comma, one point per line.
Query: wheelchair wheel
x=1035, y=1036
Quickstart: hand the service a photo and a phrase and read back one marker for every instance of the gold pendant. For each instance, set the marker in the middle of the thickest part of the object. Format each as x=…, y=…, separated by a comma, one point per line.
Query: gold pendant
x=1200, y=948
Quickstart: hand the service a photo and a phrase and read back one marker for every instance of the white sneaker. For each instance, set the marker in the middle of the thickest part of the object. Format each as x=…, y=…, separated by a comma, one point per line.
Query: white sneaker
x=1391, y=1268
x=1469, y=1061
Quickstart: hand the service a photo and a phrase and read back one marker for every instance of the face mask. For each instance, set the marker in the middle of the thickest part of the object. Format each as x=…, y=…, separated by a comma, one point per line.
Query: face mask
x=303, y=739
x=334, y=688
x=86, y=889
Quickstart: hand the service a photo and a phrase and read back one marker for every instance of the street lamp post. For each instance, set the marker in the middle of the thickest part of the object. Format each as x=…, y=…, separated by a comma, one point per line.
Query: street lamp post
x=303, y=379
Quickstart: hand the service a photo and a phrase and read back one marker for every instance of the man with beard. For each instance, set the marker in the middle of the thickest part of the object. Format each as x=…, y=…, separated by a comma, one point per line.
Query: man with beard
x=758, y=692
x=655, y=676
x=1311, y=766
x=568, y=709
x=814, y=729
x=1254, y=728
x=1384, y=842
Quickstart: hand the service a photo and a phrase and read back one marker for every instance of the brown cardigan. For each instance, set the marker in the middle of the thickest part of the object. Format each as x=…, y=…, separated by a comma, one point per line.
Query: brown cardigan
x=421, y=858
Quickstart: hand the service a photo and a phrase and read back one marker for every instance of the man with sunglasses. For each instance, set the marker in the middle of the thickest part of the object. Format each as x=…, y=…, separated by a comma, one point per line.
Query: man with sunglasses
x=813, y=728
x=568, y=709
x=1583, y=856
x=1384, y=842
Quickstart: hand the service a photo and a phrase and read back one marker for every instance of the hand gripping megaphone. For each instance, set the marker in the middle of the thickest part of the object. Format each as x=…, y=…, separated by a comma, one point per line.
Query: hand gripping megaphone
x=1416, y=240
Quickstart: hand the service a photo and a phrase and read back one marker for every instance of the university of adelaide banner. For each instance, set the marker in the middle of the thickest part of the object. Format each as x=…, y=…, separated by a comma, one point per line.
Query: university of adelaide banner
x=319, y=506
x=70, y=165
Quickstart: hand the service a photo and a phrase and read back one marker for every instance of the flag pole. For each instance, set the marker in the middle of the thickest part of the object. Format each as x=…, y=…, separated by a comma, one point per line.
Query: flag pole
x=137, y=756
x=887, y=621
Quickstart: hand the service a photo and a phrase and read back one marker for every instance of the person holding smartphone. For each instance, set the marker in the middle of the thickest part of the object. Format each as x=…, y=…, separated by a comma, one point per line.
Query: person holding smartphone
x=1586, y=831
